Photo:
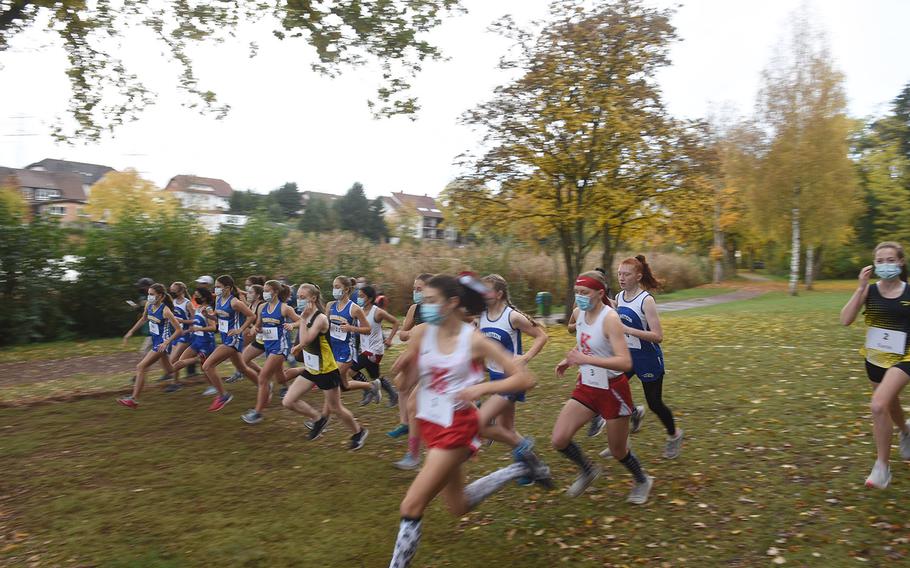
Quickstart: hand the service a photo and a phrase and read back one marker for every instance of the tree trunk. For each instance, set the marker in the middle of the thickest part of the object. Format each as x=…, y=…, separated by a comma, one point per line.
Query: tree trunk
x=794, y=252
x=719, y=248
x=810, y=267
x=609, y=253
x=571, y=274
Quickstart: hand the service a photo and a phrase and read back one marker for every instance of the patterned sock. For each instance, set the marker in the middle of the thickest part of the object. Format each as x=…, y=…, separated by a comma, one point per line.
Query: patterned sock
x=386, y=385
x=414, y=446
x=406, y=544
x=482, y=488
x=574, y=453
x=631, y=463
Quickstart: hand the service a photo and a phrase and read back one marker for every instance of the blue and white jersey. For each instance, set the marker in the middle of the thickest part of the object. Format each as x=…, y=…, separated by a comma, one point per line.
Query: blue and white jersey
x=183, y=311
x=228, y=319
x=274, y=337
x=343, y=343
x=501, y=331
x=199, y=320
x=647, y=357
x=159, y=328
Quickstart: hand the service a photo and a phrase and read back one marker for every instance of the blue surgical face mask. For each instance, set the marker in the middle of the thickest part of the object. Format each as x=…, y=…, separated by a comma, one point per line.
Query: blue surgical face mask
x=432, y=313
x=301, y=304
x=418, y=296
x=888, y=270
x=583, y=302
x=361, y=301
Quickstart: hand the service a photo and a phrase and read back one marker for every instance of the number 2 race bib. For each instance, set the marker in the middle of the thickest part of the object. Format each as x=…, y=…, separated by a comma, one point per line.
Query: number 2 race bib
x=886, y=340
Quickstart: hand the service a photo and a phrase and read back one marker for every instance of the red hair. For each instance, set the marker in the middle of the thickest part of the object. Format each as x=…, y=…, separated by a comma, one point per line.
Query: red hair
x=648, y=281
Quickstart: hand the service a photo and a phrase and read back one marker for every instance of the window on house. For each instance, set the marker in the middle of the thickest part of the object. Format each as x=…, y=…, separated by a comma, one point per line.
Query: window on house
x=42, y=194
x=201, y=187
x=56, y=210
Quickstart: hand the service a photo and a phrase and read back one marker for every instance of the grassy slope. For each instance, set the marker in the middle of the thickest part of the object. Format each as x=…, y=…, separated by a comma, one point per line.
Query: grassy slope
x=770, y=391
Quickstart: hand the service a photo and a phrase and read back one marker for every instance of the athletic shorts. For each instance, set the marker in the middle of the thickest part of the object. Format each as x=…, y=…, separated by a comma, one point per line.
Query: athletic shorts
x=258, y=345
x=510, y=396
x=611, y=403
x=341, y=350
x=157, y=340
x=235, y=341
x=182, y=339
x=876, y=373
x=279, y=347
x=369, y=363
x=203, y=347
x=325, y=381
x=461, y=434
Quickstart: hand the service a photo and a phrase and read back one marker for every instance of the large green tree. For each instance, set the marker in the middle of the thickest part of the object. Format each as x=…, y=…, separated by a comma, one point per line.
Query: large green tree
x=355, y=213
x=342, y=33
x=580, y=146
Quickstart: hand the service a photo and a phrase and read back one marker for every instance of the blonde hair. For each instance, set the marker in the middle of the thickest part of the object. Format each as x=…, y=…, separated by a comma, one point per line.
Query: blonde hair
x=315, y=292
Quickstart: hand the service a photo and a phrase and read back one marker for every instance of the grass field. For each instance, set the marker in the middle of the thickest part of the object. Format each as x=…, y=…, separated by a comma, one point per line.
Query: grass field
x=770, y=391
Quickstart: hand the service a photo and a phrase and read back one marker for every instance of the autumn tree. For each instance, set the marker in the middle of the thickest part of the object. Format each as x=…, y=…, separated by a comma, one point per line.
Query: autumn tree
x=342, y=33
x=121, y=195
x=805, y=185
x=580, y=143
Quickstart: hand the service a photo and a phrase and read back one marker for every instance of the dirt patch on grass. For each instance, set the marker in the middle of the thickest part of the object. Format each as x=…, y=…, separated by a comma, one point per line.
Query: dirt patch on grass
x=26, y=372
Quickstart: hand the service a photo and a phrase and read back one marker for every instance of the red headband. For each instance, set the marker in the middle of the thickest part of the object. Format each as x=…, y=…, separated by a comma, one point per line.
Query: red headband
x=592, y=283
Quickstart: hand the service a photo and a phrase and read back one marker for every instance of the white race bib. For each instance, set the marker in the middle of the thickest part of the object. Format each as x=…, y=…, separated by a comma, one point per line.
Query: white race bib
x=270, y=333
x=311, y=361
x=199, y=333
x=223, y=326
x=335, y=331
x=633, y=342
x=154, y=328
x=886, y=340
x=596, y=377
x=438, y=408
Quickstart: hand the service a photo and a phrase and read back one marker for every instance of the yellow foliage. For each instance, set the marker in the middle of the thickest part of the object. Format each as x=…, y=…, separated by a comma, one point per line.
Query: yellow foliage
x=119, y=195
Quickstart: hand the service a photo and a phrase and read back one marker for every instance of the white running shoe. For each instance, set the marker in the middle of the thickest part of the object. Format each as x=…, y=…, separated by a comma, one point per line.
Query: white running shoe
x=583, y=481
x=408, y=462
x=640, y=491
x=880, y=477
x=905, y=443
x=674, y=445
x=211, y=391
x=637, y=418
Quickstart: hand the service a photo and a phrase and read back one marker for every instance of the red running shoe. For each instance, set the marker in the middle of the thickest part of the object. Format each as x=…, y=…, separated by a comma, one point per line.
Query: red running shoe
x=128, y=402
x=220, y=402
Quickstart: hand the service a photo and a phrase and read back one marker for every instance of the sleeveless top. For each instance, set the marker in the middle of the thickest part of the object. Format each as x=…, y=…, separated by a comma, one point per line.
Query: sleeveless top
x=443, y=375
x=501, y=331
x=182, y=311
x=159, y=328
x=317, y=354
x=199, y=320
x=338, y=318
x=888, y=323
x=373, y=342
x=647, y=357
x=273, y=336
x=592, y=341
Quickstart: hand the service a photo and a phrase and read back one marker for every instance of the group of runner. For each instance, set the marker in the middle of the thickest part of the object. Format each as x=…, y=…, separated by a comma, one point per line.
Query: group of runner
x=458, y=331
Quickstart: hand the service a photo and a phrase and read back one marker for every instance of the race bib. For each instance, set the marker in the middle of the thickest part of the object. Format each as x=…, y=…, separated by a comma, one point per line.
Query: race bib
x=270, y=333
x=438, y=408
x=336, y=332
x=633, y=342
x=596, y=377
x=311, y=361
x=199, y=333
x=494, y=366
x=223, y=326
x=886, y=340
x=154, y=328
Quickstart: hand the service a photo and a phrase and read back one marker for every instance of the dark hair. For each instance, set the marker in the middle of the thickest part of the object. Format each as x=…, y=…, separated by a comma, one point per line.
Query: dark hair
x=467, y=289
x=285, y=292
x=167, y=297
x=257, y=279
x=369, y=292
x=207, y=297
x=900, y=255
x=226, y=280
x=424, y=277
x=257, y=289
x=347, y=284
x=648, y=281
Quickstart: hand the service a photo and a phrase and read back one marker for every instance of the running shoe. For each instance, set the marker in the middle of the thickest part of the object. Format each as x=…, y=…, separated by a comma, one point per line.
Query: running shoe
x=524, y=481
x=583, y=481
x=637, y=416
x=640, y=491
x=358, y=439
x=905, y=443
x=398, y=431
x=880, y=477
x=220, y=402
x=128, y=402
x=318, y=428
x=674, y=445
x=234, y=378
x=524, y=452
x=366, y=398
x=377, y=392
x=173, y=387
x=251, y=416
x=597, y=426
x=210, y=391
x=390, y=391
x=282, y=392
x=408, y=462
x=308, y=424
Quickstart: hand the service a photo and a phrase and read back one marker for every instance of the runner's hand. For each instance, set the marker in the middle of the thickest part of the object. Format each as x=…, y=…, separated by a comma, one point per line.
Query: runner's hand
x=561, y=368
x=575, y=357
x=864, y=275
x=472, y=393
x=234, y=332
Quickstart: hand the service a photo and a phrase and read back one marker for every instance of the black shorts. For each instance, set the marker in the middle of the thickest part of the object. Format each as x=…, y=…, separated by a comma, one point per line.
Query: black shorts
x=876, y=373
x=368, y=363
x=257, y=345
x=326, y=381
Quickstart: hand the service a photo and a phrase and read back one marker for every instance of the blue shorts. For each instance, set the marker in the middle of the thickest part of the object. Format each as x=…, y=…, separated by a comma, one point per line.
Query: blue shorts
x=203, y=347
x=277, y=347
x=510, y=396
x=235, y=341
x=182, y=339
x=157, y=340
x=341, y=350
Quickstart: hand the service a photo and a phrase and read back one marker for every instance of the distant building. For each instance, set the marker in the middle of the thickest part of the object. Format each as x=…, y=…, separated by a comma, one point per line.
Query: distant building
x=208, y=198
x=90, y=173
x=60, y=194
x=307, y=197
x=417, y=216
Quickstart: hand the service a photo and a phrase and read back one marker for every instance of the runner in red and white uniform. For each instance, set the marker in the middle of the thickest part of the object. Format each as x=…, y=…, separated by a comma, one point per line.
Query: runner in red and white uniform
x=602, y=388
x=446, y=356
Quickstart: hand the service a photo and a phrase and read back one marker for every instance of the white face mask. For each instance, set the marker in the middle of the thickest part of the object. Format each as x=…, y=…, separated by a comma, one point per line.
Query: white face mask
x=151, y=298
x=218, y=291
x=267, y=296
x=337, y=293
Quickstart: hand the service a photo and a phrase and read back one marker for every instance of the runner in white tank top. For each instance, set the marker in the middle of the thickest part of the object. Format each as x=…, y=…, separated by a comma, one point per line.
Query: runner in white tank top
x=443, y=357
x=373, y=346
x=602, y=357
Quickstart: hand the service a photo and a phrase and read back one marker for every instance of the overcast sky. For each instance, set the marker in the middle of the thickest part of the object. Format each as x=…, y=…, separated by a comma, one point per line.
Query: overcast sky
x=288, y=124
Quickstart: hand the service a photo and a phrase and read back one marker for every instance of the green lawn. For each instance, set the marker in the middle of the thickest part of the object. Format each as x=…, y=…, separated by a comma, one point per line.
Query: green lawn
x=770, y=391
x=692, y=293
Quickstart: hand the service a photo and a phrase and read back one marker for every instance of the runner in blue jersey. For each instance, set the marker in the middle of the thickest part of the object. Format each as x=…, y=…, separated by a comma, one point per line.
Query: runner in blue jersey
x=183, y=311
x=201, y=333
x=163, y=329
x=229, y=310
x=346, y=320
x=643, y=332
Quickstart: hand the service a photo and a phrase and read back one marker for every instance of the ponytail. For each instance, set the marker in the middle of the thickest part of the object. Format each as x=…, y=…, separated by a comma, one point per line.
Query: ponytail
x=648, y=281
x=166, y=298
x=314, y=291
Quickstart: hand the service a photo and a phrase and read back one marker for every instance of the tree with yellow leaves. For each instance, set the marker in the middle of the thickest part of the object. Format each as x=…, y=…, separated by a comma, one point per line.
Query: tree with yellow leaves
x=120, y=195
x=580, y=147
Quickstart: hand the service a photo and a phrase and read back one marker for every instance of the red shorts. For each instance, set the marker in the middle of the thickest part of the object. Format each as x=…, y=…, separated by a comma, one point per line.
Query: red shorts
x=461, y=434
x=614, y=402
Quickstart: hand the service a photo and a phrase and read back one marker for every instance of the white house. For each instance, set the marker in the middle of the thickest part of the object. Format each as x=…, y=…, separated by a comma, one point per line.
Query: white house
x=417, y=215
x=208, y=198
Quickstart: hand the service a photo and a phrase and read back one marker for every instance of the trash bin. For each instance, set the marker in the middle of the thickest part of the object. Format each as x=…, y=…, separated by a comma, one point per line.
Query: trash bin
x=544, y=301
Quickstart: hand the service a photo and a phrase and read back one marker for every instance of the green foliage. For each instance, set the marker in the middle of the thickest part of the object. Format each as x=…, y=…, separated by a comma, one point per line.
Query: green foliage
x=318, y=217
x=287, y=197
x=246, y=202
x=355, y=213
x=259, y=247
